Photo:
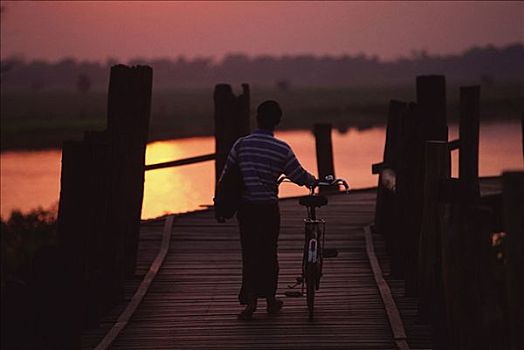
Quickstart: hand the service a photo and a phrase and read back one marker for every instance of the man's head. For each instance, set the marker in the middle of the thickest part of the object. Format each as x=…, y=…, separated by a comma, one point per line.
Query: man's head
x=268, y=115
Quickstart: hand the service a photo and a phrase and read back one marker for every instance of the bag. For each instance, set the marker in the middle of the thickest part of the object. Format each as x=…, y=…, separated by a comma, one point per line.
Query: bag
x=228, y=193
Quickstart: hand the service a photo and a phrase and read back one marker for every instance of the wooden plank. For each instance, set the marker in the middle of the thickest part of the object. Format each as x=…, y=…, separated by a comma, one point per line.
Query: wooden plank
x=395, y=321
x=124, y=318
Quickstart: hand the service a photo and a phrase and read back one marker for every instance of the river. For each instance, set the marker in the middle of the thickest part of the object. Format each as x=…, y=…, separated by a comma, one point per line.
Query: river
x=32, y=178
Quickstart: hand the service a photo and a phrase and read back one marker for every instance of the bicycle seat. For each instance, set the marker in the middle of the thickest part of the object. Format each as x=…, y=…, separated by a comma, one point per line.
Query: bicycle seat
x=313, y=201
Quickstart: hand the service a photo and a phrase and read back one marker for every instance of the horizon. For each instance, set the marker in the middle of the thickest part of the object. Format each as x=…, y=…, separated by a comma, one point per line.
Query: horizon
x=414, y=55
x=214, y=61
x=212, y=30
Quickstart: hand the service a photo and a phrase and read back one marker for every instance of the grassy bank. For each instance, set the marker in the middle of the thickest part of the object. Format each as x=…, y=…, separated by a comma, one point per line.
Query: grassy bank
x=23, y=234
x=29, y=247
x=34, y=120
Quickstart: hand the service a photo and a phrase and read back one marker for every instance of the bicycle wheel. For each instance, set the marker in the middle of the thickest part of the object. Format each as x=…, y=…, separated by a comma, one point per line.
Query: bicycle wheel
x=311, y=286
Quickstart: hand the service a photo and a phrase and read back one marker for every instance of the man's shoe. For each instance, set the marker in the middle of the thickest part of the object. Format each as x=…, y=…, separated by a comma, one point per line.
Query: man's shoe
x=245, y=315
x=274, y=306
x=248, y=312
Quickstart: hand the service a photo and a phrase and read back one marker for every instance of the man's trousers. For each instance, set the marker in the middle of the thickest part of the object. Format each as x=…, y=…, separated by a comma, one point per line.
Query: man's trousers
x=259, y=229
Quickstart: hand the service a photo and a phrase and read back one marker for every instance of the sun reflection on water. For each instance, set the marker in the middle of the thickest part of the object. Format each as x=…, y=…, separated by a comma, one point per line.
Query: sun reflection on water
x=32, y=178
x=186, y=188
x=178, y=189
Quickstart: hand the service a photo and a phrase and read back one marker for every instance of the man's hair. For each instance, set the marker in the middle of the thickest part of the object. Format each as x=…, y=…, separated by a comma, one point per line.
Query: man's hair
x=268, y=114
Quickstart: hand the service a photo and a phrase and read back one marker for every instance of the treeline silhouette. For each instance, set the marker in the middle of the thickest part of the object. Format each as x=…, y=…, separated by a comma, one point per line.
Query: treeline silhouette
x=488, y=65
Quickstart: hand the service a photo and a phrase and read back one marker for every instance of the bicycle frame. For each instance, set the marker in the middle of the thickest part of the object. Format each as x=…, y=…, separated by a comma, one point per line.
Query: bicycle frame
x=314, y=240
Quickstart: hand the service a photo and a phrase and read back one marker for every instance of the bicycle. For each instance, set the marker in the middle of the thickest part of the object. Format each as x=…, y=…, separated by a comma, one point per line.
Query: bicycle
x=314, y=253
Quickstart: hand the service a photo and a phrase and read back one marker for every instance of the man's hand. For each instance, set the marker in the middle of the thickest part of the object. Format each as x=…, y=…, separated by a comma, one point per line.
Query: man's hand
x=388, y=179
x=312, y=182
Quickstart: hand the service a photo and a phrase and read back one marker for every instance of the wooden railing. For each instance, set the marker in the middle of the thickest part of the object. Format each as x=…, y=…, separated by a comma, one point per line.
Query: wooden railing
x=443, y=238
x=180, y=162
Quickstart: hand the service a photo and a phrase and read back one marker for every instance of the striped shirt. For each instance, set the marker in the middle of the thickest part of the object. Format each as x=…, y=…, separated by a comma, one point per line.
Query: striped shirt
x=262, y=158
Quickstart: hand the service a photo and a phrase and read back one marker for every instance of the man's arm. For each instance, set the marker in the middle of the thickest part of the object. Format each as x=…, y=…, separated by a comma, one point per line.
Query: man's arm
x=296, y=172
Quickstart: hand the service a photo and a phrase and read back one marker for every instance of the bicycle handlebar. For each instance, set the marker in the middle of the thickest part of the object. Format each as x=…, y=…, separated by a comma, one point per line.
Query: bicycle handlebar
x=329, y=181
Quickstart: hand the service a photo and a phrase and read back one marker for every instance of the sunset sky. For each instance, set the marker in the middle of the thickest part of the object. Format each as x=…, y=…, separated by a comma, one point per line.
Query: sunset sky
x=125, y=30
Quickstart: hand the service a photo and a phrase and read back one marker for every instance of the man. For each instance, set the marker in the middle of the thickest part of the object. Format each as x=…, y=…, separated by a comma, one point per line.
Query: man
x=262, y=158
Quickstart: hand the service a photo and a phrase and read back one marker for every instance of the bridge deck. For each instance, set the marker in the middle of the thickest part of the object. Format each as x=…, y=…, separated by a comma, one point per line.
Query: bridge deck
x=192, y=302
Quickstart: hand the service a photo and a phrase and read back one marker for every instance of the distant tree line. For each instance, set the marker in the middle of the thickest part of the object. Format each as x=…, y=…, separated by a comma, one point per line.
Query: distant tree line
x=489, y=65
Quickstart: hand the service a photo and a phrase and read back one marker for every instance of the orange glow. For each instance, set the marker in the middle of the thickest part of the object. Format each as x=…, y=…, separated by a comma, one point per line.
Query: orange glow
x=179, y=189
x=355, y=154
x=499, y=148
x=31, y=179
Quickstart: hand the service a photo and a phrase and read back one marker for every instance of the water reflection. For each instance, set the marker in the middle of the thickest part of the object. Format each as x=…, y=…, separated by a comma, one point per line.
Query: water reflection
x=29, y=179
x=500, y=148
x=179, y=189
x=32, y=178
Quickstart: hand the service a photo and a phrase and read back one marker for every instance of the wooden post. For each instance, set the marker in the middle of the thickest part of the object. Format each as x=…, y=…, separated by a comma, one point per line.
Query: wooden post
x=438, y=168
x=224, y=111
x=469, y=140
x=404, y=186
x=101, y=257
x=428, y=124
x=408, y=183
x=431, y=101
x=324, y=150
x=465, y=265
x=100, y=201
x=492, y=324
x=231, y=121
x=513, y=207
x=83, y=219
x=431, y=301
x=389, y=162
x=386, y=210
x=393, y=132
x=474, y=299
x=128, y=111
x=74, y=242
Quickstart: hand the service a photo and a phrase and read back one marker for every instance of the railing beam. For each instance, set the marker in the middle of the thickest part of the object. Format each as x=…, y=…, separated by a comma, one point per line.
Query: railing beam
x=180, y=162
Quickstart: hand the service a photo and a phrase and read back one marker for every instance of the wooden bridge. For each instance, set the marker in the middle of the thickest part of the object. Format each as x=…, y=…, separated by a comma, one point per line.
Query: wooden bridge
x=425, y=260
x=192, y=303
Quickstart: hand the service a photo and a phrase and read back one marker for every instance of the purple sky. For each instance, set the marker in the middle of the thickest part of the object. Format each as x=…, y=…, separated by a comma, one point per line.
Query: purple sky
x=124, y=30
